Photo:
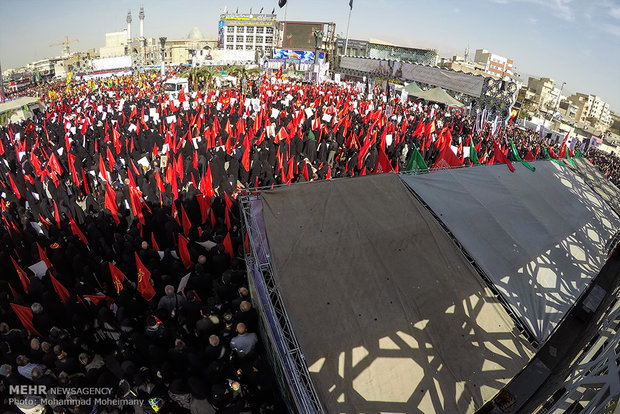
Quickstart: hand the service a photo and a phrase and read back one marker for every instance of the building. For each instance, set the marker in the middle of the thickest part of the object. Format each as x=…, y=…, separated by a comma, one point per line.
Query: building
x=115, y=44
x=540, y=94
x=185, y=50
x=247, y=32
x=378, y=49
x=493, y=64
x=593, y=109
x=568, y=110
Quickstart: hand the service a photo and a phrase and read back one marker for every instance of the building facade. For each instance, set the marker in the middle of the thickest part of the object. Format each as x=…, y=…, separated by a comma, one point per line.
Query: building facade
x=493, y=64
x=247, y=32
x=593, y=107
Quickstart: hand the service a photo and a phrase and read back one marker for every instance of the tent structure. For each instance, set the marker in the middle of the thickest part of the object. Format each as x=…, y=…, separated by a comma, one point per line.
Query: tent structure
x=437, y=95
x=412, y=88
x=540, y=237
x=599, y=183
x=388, y=313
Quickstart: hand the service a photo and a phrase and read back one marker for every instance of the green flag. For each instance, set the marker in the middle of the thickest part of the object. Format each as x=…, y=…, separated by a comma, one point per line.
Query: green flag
x=518, y=158
x=578, y=154
x=416, y=163
x=568, y=157
x=473, y=155
x=311, y=136
x=558, y=162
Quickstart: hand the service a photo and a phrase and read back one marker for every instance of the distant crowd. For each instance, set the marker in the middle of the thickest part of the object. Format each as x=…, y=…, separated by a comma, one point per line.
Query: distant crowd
x=122, y=254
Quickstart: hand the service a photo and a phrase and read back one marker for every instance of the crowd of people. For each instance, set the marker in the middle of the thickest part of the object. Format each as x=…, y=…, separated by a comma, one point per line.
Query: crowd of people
x=122, y=251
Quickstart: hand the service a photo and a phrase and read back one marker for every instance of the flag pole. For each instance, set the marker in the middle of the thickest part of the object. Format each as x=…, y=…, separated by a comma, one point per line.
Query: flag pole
x=346, y=43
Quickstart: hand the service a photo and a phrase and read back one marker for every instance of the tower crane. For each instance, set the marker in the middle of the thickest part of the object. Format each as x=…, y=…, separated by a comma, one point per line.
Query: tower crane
x=65, y=43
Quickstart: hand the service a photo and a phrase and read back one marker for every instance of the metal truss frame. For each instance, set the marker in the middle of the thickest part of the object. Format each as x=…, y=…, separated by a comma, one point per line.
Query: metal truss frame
x=593, y=386
x=278, y=330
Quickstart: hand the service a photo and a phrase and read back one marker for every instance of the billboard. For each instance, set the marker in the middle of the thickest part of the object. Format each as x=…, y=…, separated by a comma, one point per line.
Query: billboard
x=249, y=20
x=300, y=35
x=297, y=55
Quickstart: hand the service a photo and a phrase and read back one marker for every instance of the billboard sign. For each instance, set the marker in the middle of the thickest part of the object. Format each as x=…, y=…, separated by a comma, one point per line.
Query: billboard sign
x=297, y=55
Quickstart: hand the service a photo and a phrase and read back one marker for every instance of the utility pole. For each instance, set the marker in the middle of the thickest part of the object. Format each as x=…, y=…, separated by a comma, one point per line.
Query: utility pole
x=2, y=95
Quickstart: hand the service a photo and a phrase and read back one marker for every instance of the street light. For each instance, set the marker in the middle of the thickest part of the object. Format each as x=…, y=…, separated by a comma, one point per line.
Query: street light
x=318, y=37
x=557, y=104
x=162, y=41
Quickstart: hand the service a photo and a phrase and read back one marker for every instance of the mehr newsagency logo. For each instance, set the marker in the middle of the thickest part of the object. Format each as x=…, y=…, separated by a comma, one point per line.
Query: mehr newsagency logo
x=30, y=395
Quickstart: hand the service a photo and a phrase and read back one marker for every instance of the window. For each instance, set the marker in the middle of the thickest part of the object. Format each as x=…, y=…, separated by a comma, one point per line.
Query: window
x=269, y=30
x=249, y=38
x=239, y=47
x=249, y=30
x=240, y=39
x=260, y=30
x=248, y=47
x=229, y=47
x=269, y=39
x=230, y=38
x=231, y=29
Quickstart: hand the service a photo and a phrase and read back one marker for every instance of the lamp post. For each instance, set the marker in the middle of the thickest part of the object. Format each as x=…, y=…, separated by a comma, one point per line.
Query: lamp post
x=318, y=37
x=162, y=41
x=557, y=103
x=2, y=95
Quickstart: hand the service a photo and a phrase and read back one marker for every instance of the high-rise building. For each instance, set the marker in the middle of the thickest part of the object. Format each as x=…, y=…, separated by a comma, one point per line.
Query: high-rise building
x=493, y=64
x=591, y=106
x=247, y=32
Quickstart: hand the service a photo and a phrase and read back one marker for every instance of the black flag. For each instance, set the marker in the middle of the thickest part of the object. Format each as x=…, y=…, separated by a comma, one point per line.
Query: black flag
x=273, y=11
x=281, y=3
x=261, y=10
x=237, y=12
x=351, y=4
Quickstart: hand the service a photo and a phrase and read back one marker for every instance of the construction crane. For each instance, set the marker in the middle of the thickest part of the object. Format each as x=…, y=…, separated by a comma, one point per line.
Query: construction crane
x=66, y=43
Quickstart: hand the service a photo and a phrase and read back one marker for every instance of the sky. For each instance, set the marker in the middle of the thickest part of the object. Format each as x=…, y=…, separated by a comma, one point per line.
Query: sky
x=572, y=41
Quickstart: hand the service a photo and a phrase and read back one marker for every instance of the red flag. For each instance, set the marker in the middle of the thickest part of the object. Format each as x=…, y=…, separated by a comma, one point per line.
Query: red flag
x=34, y=160
x=110, y=158
x=95, y=299
x=228, y=246
x=61, y=291
x=117, y=277
x=184, y=252
x=245, y=159
x=529, y=156
x=154, y=242
x=23, y=277
x=43, y=256
x=76, y=231
x=116, y=141
x=55, y=165
x=12, y=290
x=185, y=221
x=204, y=204
x=14, y=187
x=25, y=316
x=563, y=147
x=206, y=184
x=383, y=163
x=102, y=170
x=110, y=202
x=56, y=214
x=499, y=156
x=447, y=159
x=144, y=280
